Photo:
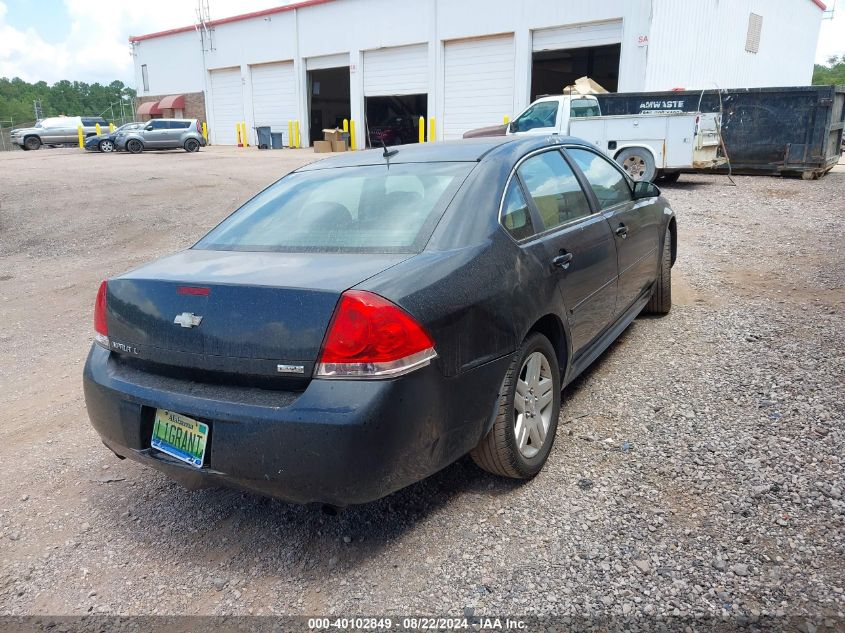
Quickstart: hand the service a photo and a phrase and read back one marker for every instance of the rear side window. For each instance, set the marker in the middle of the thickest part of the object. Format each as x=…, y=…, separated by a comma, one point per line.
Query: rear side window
x=552, y=185
x=179, y=125
x=516, y=217
x=608, y=183
x=367, y=209
x=159, y=124
x=542, y=114
x=583, y=107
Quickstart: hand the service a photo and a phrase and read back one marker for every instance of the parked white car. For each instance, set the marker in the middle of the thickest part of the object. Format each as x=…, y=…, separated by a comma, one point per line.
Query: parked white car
x=645, y=145
x=57, y=130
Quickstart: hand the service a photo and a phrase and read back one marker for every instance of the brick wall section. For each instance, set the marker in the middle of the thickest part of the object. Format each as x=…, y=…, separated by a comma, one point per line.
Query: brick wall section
x=194, y=106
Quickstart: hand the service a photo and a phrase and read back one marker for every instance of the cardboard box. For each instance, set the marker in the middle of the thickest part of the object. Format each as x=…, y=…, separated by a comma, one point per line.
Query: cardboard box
x=333, y=135
x=338, y=146
x=321, y=147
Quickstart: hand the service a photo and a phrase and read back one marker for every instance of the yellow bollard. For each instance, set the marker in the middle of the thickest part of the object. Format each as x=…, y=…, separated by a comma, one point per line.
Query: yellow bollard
x=97, y=128
x=238, y=133
x=81, y=137
x=290, y=133
x=346, y=125
x=352, y=134
x=205, y=131
x=297, y=140
x=111, y=128
x=422, y=129
x=246, y=138
x=507, y=119
x=431, y=130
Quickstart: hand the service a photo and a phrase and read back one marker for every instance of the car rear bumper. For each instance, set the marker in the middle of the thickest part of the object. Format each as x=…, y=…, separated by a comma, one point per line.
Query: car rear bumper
x=339, y=442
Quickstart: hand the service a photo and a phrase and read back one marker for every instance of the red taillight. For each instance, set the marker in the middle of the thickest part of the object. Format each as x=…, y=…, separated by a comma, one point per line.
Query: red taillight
x=370, y=337
x=101, y=326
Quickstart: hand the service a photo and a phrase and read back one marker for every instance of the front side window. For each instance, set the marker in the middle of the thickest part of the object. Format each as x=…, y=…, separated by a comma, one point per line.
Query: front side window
x=552, y=185
x=541, y=114
x=608, y=183
x=583, y=107
x=516, y=217
x=366, y=209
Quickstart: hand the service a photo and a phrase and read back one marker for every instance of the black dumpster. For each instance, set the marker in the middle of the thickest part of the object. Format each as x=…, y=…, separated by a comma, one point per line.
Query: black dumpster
x=265, y=140
x=795, y=131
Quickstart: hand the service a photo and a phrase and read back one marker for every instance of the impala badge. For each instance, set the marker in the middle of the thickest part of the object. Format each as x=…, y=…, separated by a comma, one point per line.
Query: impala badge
x=187, y=319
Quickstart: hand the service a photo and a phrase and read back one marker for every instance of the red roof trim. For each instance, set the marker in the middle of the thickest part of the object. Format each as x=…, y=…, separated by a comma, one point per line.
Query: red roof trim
x=234, y=18
x=821, y=5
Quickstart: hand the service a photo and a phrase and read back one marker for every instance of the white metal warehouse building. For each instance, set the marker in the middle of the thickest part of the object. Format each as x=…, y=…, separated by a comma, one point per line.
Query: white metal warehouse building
x=466, y=63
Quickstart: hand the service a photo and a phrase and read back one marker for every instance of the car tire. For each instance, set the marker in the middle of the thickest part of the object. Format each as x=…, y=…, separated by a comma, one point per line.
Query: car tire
x=32, y=143
x=192, y=145
x=638, y=163
x=500, y=451
x=134, y=146
x=661, y=297
x=106, y=146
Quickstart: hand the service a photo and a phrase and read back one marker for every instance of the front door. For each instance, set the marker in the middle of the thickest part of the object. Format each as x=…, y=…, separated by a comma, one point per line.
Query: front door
x=540, y=118
x=635, y=232
x=578, y=243
x=156, y=133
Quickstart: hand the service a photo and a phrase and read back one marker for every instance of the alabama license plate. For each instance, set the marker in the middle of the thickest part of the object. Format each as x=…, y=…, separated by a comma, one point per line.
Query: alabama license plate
x=180, y=436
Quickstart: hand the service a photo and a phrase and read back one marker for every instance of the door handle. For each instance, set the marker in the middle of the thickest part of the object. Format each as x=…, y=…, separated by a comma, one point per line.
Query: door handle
x=562, y=260
x=621, y=231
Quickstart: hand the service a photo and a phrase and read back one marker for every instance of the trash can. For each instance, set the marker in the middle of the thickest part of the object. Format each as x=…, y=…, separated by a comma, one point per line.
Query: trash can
x=278, y=141
x=264, y=138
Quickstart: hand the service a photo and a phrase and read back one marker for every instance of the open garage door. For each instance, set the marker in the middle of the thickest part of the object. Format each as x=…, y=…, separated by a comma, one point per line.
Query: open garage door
x=563, y=54
x=478, y=83
x=395, y=93
x=274, y=96
x=328, y=93
x=227, y=105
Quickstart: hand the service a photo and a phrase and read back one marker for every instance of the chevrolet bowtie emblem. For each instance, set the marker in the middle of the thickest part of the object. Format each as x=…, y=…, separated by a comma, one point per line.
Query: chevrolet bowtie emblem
x=187, y=319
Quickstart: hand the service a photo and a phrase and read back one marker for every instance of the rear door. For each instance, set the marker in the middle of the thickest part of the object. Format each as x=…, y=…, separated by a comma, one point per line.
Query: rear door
x=635, y=224
x=176, y=130
x=578, y=243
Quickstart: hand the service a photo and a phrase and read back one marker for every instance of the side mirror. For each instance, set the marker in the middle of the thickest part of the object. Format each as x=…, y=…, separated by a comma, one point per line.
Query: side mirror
x=512, y=127
x=645, y=189
x=149, y=128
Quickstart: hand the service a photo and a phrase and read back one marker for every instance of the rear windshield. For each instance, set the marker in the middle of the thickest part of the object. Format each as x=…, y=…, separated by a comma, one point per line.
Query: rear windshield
x=370, y=209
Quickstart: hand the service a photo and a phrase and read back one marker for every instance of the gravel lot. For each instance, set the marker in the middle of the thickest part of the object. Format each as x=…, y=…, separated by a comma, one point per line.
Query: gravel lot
x=698, y=467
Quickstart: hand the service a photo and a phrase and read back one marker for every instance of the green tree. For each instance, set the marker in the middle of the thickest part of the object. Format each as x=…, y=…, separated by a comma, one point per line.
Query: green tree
x=831, y=73
x=63, y=97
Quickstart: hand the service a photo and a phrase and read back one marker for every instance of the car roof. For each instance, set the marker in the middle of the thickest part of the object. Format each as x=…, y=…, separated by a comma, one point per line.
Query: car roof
x=464, y=150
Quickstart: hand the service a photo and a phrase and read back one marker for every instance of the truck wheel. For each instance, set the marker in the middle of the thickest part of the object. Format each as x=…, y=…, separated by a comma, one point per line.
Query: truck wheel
x=638, y=163
x=32, y=142
x=134, y=146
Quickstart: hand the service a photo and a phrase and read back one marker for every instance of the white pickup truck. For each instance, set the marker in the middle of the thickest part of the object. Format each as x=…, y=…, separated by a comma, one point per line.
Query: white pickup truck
x=645, y=145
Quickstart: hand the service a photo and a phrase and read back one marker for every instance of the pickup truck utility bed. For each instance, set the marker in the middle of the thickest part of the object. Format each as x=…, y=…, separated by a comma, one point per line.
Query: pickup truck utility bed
x=646, y=146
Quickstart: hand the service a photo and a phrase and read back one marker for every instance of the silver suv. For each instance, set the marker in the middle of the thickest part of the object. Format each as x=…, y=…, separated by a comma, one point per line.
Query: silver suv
x=57, y=130
x=163, y=134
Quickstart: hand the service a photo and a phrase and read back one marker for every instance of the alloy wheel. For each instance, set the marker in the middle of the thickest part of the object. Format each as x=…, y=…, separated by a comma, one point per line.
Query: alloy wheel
x=533, y=404
x=635, y=166
x=106, y=146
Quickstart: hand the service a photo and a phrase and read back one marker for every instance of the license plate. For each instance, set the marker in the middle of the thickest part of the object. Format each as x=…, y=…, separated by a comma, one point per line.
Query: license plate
x=180, y=436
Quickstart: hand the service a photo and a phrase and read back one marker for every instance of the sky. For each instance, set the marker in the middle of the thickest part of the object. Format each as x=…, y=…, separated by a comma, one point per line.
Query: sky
x=86, y=40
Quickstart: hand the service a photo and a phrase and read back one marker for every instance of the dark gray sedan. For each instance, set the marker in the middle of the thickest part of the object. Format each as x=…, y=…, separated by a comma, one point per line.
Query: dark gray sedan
x=372, y=317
